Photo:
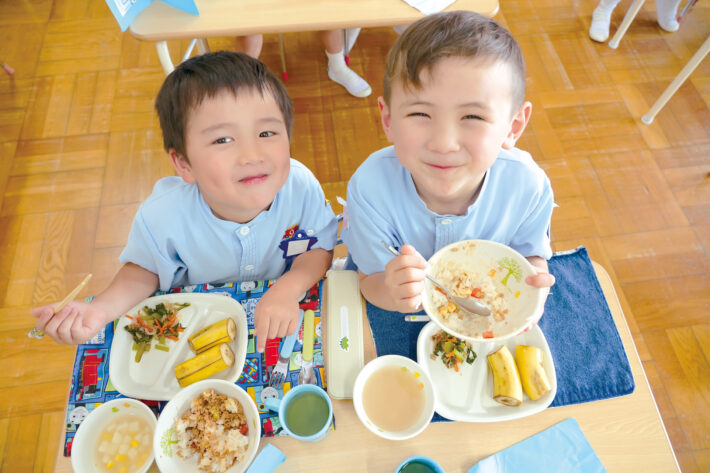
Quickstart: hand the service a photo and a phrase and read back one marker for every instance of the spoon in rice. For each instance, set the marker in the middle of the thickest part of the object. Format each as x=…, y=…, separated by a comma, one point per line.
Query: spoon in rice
x=466, y=304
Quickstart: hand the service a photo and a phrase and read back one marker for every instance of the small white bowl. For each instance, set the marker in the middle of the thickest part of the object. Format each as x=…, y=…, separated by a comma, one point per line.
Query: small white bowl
x=499, y=265
x=165, y=439
x=416, y=370
x=83, y=453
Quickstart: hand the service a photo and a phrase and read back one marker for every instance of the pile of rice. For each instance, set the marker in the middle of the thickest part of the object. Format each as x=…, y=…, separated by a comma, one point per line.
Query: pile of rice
x=215, y=428
x=462, y=282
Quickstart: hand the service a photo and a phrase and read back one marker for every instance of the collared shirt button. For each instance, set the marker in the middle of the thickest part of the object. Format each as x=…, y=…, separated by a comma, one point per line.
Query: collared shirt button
x=249, y=267
x=244, y=230
x=446, y=221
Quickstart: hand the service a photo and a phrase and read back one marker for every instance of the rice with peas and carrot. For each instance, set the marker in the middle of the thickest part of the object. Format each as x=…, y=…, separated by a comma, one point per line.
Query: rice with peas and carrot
x=465, y=282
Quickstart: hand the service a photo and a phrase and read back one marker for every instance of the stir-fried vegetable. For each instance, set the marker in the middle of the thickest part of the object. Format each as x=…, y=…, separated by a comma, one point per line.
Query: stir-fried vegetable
x=160, y=323
x=452, y=350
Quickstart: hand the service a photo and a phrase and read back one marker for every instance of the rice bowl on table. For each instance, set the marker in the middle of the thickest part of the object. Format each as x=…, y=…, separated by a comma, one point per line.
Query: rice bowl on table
x=490, y=273
x=209, y=426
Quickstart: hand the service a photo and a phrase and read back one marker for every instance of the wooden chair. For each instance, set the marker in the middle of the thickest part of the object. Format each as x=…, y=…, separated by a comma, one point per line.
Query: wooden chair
x=677, y=82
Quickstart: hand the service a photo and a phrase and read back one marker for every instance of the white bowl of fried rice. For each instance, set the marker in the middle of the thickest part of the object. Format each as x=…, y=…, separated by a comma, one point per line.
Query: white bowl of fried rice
x=492, y=273
x=209, y=426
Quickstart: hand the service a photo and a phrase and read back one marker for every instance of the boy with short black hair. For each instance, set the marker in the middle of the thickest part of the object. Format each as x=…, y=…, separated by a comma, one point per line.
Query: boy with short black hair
x=240, y=210
x=454, y=107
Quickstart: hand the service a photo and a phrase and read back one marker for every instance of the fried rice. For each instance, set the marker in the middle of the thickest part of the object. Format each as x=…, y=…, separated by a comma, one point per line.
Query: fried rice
x=214, y=428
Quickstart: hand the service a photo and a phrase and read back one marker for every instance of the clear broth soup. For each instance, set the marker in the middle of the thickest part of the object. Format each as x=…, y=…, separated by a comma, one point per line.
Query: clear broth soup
x=124, y=444
x=393, y=398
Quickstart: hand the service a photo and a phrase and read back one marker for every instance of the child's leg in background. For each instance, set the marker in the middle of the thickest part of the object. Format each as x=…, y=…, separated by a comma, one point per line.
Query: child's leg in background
x=599, y=29
x=666, y=11
x=338, y=71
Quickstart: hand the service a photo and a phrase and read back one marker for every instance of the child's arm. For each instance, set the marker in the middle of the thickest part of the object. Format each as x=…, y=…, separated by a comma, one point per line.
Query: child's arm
x=276, y=313
x=399, y=288
x=79, y=321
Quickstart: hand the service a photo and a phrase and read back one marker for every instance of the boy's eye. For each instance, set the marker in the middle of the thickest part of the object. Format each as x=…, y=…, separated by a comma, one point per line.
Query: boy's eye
x=222, y=140
x=266, y=134
x=473, y=117
x=418, y=114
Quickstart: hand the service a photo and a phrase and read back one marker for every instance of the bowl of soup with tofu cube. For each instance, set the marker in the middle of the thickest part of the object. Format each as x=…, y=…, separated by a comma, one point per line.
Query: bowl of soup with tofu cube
x=116, y=437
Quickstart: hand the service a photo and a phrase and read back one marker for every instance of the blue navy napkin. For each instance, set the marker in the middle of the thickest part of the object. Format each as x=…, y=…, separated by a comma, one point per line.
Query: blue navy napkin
x=589, y=358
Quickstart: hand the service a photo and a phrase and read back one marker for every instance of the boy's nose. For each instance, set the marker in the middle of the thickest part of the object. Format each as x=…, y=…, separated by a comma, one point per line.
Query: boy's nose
x=249, y=153
x=444, y=139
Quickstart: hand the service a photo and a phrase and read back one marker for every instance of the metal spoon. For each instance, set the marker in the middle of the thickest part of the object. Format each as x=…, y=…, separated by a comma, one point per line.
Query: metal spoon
x=466, y=304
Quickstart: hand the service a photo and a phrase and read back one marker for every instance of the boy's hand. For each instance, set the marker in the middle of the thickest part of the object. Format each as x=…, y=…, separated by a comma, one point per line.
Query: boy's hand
x=276, y=315
x=74, y=324
x=404, y=279
x=542, y=280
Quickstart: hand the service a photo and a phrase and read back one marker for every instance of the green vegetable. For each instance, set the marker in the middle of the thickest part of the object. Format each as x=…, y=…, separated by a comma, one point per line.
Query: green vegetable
x=451, y=350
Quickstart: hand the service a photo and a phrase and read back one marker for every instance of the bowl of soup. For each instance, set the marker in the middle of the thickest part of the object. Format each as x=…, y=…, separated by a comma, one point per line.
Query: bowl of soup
x=492, y=274
x=394, y=397
x=116, y=436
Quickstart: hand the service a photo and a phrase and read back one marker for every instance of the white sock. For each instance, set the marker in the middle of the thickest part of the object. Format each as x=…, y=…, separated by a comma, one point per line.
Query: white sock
x=666, y=11
x=339, y=72
x=599, y=29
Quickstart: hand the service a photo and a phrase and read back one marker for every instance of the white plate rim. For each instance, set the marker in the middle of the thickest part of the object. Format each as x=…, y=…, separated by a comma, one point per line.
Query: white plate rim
x=118, y=346
x=526, y=409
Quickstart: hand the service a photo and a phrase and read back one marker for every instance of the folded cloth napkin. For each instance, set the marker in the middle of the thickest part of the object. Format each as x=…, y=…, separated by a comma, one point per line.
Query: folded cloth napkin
x=562, y=448
x=429, y=6
x=267, y=460
x=589, y=357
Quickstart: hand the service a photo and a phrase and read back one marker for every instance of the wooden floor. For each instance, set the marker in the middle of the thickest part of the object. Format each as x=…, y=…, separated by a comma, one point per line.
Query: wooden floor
x=80, y=148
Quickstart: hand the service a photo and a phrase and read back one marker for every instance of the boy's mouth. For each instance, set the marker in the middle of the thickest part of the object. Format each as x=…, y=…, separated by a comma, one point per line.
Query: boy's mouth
x=439, y=166
x=256, y=179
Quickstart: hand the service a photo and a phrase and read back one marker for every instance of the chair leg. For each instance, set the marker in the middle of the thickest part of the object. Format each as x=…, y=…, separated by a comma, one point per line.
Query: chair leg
x=202, y=46
x=282, y=53
x=628, y=18
x=164, y=56
x=677, y=82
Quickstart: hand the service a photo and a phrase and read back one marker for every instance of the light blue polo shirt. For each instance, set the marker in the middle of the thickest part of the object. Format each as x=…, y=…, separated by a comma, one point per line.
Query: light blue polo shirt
x=514, y=207
x=176, y=236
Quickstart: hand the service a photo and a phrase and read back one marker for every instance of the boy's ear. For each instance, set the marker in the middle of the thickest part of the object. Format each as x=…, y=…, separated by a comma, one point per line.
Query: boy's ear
x=518, y=124
x=386, y=118
x=182, y=166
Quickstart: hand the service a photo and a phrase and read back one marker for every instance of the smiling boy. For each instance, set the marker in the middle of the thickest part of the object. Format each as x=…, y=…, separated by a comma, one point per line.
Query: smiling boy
x=232, y=212
x=454, y=107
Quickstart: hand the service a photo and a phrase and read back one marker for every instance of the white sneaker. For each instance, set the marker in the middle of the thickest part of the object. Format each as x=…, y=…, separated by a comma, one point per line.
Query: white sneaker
x=352, y=82
x=599, y=29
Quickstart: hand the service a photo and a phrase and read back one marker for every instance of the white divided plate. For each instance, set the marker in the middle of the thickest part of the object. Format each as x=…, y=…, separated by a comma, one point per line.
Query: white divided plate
x=154, y=377
x=467, y=395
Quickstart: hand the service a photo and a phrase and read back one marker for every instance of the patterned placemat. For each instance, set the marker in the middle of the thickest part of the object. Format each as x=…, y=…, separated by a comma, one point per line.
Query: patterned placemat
x=91, y=381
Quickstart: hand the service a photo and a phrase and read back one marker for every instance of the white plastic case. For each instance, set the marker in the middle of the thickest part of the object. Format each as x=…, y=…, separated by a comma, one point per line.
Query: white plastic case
x=344, y=338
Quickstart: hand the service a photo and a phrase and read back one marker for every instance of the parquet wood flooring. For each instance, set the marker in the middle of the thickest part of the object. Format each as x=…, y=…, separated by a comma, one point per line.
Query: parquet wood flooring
x=80, y=148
